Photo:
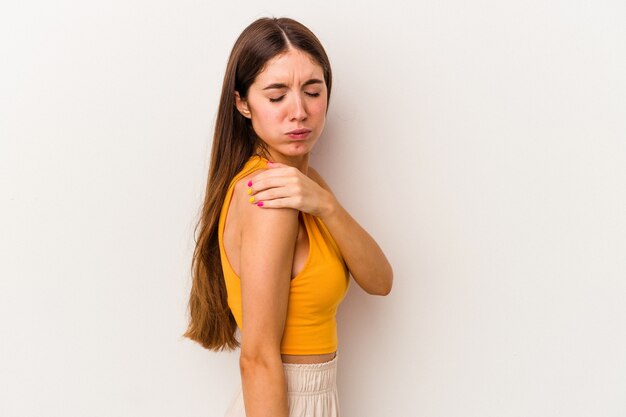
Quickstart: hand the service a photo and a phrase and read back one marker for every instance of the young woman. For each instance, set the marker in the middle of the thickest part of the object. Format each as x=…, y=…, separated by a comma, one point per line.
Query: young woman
x=276, y=249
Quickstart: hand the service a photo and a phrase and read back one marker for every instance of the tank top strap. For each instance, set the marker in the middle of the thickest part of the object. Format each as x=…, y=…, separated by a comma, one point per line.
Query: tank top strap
x=253, y=163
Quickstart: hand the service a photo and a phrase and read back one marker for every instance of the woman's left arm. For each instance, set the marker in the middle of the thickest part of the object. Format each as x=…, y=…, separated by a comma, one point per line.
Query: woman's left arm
x=288, y=187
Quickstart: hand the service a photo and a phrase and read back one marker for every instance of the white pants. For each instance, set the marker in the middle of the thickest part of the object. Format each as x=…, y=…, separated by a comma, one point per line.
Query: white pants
x=311, y=391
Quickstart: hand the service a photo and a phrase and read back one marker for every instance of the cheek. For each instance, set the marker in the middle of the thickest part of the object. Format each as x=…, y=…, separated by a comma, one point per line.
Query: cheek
x=266, y=117
x=272, y=114
x=318, y=108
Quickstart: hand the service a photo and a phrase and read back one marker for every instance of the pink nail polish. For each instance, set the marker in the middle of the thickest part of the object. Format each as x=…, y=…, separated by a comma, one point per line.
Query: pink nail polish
x=260, y=204
x=249, y=183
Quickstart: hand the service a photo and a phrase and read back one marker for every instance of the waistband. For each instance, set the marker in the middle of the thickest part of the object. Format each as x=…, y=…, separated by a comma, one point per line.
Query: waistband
x=311, y=378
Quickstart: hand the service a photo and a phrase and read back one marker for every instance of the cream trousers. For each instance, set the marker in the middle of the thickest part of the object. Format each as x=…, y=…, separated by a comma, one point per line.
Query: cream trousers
x=311, y=391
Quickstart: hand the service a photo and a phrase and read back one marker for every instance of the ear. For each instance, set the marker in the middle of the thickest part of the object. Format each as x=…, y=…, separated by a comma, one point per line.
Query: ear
x=242, y=105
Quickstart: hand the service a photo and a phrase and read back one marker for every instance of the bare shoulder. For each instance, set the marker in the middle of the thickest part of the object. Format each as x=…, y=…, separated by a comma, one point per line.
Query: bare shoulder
x=253, y=216
x=247, y=218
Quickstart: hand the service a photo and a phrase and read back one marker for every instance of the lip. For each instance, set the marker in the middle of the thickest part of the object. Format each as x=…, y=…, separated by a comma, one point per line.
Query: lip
x=299, y=131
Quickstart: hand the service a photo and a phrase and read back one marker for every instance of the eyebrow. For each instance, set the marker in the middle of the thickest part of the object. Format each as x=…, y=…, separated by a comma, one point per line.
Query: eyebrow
x=281, y=85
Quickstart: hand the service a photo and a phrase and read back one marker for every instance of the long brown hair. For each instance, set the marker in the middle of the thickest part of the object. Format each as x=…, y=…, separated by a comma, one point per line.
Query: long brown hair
x=211, y=322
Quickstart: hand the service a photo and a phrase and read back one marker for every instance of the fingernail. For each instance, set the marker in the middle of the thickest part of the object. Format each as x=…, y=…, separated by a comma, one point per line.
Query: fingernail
x=251, y=199
x=249, y=183
x=249, y=190
x=260, y=204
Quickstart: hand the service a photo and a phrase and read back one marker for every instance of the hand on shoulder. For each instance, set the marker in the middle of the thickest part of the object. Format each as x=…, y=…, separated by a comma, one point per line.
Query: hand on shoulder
x=282, y=186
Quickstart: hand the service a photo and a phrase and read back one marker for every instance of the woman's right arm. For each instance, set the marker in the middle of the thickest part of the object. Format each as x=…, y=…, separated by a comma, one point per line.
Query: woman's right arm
x=268, y=240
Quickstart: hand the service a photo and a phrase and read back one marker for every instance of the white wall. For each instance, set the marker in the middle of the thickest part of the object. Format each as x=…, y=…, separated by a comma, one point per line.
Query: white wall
x=481, y=143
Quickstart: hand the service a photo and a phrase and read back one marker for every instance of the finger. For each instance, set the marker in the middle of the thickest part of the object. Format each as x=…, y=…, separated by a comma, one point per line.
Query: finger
x=274, y=193
x=286, y=202
x=279, y=168
x=268, y=184
x=267, y=173
x=276, y=179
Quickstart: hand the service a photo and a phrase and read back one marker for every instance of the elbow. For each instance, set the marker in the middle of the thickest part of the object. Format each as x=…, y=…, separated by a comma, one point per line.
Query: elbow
x=250, y=361
x=386, y=282
x=385, y=290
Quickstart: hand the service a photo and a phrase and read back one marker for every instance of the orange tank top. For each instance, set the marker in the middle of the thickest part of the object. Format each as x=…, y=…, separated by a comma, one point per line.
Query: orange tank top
x=314, y=294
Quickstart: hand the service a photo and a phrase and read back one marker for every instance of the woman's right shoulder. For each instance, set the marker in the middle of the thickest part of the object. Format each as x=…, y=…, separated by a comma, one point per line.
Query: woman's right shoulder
x=241, y=181
x=240, y=197
x=249, y=213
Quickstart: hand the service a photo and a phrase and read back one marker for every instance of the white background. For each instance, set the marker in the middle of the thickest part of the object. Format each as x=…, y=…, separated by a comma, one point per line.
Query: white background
x=483, y=145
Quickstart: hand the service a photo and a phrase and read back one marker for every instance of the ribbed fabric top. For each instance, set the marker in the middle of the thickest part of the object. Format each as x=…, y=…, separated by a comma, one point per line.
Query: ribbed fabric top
x=314, y=294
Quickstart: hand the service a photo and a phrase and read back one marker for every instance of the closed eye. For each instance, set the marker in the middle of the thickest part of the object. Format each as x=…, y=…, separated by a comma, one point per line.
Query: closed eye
x=275, y=100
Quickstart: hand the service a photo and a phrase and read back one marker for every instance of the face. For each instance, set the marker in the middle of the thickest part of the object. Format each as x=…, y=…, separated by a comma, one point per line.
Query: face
x=288, y=95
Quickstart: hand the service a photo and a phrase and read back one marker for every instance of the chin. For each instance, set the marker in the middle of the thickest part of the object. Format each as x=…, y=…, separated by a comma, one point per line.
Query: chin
x=299, y=149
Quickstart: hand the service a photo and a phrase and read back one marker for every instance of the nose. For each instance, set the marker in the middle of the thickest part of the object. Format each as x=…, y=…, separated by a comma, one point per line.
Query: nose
x=298, y=109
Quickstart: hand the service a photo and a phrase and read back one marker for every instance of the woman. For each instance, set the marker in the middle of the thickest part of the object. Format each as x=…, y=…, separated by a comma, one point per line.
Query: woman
x=275, y=247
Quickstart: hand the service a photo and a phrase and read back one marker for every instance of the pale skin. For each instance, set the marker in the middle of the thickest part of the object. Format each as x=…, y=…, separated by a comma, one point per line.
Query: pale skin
x=268, y=245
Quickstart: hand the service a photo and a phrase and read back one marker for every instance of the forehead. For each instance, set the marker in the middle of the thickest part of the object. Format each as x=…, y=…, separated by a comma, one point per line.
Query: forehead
x=291, y=65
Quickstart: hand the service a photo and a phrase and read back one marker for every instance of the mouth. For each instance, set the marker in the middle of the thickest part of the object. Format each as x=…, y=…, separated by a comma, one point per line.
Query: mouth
x=299, y=133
